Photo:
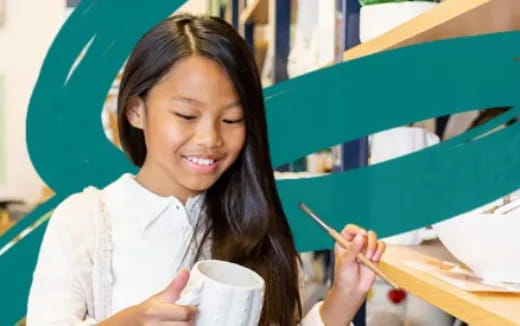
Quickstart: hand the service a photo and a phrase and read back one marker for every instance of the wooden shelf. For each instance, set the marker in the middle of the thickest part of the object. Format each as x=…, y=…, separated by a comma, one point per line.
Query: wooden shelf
x=475, y=309
x=260, y=53
x=257, y=12
x=452, y=18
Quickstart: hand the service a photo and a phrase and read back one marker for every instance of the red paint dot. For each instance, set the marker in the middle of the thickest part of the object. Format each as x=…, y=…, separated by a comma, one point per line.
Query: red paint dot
x=396, y=296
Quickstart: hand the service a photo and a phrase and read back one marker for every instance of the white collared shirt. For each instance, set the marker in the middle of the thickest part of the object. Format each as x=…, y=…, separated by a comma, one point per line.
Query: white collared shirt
x=145, y=233
x=95, y=261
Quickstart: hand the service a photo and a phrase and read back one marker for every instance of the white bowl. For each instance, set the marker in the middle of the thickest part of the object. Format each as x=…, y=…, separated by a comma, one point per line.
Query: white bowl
x=486, y=243
x=377, y=19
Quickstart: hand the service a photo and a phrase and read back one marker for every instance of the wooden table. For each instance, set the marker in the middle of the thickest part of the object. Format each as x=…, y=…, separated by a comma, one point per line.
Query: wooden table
x=475, y=309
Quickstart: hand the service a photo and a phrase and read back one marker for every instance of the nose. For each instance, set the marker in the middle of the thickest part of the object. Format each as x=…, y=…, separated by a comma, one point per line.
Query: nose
x=209, y=135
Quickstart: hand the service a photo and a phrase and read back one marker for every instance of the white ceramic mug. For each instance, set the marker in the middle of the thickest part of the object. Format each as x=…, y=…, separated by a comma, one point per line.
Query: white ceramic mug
x=226, y=294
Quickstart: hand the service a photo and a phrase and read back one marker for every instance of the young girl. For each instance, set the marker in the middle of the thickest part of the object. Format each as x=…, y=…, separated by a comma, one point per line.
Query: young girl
x=192, y=117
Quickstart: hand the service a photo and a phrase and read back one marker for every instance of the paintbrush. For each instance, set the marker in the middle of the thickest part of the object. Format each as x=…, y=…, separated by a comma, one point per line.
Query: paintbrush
x=345, y=244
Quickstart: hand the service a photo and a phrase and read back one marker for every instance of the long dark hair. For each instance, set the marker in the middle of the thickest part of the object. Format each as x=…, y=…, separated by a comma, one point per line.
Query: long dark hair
x=244, y=216
x=489, y=114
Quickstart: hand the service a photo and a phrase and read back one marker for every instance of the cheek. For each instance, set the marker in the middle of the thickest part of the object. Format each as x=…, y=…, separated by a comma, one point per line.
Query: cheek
x=236, y=140
x=166, y=134
x=175, y=135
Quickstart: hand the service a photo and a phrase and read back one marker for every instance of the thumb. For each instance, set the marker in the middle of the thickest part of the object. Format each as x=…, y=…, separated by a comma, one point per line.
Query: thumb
x=173, y=291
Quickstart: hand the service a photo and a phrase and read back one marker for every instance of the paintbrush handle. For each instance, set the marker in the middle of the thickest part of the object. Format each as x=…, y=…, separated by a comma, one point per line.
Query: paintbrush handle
x=362, y=259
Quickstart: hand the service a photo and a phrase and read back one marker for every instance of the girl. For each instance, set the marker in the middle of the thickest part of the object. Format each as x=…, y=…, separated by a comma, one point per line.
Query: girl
x=191, y=116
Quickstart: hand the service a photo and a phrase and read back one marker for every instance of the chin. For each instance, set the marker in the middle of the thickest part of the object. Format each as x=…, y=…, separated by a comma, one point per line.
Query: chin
x=200, y=186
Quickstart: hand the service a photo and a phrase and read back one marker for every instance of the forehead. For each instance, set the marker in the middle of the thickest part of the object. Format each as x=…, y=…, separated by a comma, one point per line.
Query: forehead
x=198, y=77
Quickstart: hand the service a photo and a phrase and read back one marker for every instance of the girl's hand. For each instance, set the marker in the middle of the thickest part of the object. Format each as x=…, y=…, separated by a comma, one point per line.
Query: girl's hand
x=350, y=276
x=352, y=280
x=158, y=310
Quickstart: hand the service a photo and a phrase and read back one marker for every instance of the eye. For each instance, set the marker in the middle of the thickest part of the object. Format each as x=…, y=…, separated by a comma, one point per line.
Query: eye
x=229, y=121
x=184, y=116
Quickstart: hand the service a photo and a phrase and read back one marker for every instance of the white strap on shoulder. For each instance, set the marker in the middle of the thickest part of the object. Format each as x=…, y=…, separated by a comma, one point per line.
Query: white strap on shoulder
x=103, y=276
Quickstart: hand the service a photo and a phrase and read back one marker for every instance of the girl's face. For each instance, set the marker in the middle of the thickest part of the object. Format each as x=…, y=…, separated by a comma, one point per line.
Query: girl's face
x=193, y=125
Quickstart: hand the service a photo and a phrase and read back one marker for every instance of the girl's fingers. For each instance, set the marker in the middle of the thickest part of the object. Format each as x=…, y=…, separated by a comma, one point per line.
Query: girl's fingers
x=372, y=245
x=381, y=247
x=356, y=245
x=350, y=231
x=170, y=312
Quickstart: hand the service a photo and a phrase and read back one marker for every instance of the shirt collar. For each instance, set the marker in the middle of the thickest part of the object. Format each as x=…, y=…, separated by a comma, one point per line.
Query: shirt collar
x=146, y=206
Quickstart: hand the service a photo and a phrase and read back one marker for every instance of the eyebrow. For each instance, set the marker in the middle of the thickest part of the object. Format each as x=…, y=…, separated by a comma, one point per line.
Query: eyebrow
x=190, y=100
x=186, y=100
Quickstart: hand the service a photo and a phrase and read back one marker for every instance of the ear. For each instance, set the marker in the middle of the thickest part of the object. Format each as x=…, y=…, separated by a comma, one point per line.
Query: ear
x=135, y=112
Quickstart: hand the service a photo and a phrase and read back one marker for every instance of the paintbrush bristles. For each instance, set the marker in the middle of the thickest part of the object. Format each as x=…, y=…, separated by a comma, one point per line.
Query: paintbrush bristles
x=309, y=212
x=305, y=208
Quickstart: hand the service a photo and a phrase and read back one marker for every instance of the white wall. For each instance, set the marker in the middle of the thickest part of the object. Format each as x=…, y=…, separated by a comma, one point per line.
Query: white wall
x=28, y=31
x=196, y=7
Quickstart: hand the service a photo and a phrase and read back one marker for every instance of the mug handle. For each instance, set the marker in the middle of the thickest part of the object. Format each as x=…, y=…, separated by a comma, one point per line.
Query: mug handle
x=190, y=296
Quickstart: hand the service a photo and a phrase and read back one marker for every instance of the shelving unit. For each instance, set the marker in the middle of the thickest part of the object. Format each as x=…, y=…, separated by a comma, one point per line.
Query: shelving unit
x=257, y=12
x=451, y=18
x=274, y=16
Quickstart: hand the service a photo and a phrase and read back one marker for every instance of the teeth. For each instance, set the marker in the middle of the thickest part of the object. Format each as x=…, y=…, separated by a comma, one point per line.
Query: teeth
x=200, y=161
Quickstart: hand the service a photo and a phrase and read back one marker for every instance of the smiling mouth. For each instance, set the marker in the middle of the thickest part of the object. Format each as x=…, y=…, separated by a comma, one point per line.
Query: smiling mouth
x=201, y=161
